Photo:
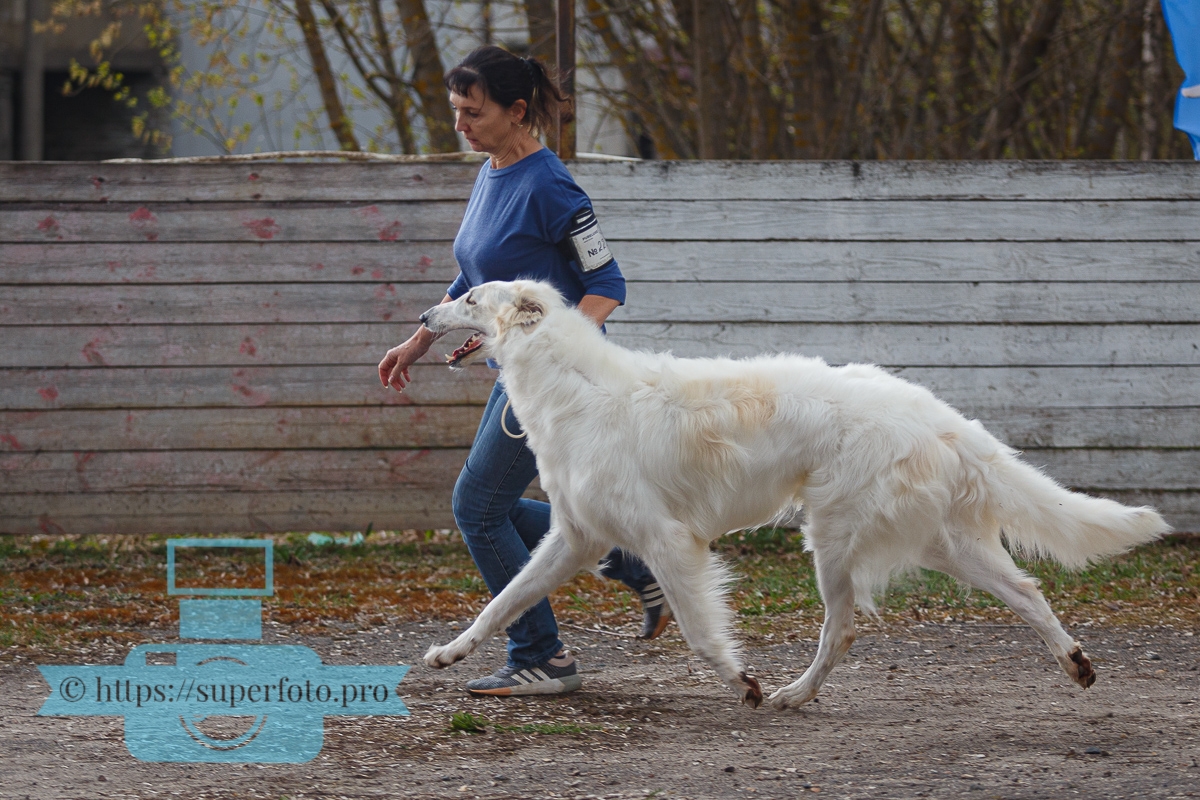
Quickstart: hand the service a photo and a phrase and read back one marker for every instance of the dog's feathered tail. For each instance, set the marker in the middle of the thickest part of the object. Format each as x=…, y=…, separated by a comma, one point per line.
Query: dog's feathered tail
x=1041, y=518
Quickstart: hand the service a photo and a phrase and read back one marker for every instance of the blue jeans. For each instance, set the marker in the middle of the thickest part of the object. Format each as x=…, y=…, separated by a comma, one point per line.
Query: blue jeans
x=501, y=528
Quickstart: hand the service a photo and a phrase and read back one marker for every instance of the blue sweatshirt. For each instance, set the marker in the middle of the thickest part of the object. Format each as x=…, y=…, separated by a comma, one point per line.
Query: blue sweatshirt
x=516, y=223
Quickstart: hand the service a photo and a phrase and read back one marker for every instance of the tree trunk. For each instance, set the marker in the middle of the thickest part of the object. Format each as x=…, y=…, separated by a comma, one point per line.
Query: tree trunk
x=539, y=19
x=1114, y=110
x=427, y=76
x=964, y=78
x=1019, y=77
x=397, y=94
x=1151, y=77
x=711, y=49
x=810, y=75
x=840, y=144
x=338, y=121
x=653, y=91
x=766, y=114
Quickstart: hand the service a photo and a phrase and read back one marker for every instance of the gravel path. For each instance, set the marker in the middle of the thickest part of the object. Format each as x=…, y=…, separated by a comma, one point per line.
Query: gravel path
x=915, y=710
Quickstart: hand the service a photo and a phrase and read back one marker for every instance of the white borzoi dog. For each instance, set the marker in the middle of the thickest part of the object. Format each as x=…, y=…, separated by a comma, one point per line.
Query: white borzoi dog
x=661, y=455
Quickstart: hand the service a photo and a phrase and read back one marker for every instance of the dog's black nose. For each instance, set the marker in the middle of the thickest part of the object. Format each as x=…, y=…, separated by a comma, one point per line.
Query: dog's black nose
x=424, y=318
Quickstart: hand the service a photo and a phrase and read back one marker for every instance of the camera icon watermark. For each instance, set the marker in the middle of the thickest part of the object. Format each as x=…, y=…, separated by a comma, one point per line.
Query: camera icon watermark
x=279, y=695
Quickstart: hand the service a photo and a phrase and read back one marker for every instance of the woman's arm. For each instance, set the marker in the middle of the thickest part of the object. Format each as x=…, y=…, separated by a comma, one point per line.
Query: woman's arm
x=393, y=370
x=597, y=307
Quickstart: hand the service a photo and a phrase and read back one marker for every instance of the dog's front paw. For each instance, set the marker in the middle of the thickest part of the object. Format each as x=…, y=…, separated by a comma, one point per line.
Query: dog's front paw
x=789, y=697
x=442, y=656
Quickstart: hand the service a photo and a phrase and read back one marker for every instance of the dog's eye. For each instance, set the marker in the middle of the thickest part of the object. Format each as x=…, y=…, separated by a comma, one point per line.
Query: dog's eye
x=469, y=301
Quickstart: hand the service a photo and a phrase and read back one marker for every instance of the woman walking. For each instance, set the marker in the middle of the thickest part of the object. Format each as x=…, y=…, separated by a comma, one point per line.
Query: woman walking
x=526, y=218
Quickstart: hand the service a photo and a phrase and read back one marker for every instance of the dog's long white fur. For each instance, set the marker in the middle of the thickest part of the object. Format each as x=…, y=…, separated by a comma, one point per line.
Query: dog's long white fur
x=661, y=455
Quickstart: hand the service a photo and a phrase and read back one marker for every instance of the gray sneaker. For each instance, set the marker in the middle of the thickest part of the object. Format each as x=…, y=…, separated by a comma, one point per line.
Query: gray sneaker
x=556, y=676
x=655, y=612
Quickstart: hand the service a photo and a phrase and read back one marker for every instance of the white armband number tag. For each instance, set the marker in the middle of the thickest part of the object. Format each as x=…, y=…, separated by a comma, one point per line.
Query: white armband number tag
x=587, y=242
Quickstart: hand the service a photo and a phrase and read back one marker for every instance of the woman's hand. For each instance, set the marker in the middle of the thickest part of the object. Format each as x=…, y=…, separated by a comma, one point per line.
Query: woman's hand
x=393, y=370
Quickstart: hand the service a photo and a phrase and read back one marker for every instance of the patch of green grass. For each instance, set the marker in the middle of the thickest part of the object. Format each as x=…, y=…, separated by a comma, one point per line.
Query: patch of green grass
x=467, y=723
x=464, y=583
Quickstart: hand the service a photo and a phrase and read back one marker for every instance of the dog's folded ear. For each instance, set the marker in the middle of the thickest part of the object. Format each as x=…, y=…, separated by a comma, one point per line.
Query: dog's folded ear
x=526, y=311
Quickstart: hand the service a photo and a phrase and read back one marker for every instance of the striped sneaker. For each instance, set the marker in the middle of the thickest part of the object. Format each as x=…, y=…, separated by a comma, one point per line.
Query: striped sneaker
x=556, y=676
x=655, y=612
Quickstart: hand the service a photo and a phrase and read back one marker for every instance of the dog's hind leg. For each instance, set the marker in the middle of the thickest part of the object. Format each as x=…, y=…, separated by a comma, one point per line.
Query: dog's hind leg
x=552, y=563
x=837, y=633
x=993, y=571
x=693, y=580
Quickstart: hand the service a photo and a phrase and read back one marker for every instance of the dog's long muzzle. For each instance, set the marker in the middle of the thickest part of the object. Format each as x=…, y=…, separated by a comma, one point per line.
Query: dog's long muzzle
x=424, y=320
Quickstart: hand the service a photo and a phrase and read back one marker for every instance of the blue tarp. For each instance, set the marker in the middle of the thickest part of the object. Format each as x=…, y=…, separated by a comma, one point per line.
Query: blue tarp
x=1183, y=20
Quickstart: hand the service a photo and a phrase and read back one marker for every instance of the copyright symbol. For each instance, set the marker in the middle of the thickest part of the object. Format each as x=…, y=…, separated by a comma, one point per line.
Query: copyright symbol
x=72, y=690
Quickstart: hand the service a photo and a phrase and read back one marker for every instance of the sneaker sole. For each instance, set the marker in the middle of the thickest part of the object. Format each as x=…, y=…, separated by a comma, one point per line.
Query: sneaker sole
x=553, y=686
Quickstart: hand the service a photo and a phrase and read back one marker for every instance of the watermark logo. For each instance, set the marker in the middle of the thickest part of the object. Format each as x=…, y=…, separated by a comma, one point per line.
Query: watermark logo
x=269, y=701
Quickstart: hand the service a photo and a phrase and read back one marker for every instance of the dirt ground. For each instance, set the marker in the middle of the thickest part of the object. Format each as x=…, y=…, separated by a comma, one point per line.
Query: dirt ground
x=915, y=710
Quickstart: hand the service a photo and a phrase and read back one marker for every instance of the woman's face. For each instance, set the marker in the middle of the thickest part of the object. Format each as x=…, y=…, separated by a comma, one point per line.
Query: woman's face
x=485, y=123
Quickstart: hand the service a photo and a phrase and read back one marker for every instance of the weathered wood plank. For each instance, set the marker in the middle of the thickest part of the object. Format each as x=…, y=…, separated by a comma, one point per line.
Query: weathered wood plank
x=930, y=262
x=237, y=387
x=886, y=220
x=703, y=220
x=914, y=344
x=796, y=180
x=379, y=470
x=454, y=426
x=224, y=512
x=252, y=183
x=167, y=471
x=1043, y=428
x=863, y=303
x=209, y=345
x=220, y=222
x=901, y=180
x=831, y=302
x=218, y=303
x=985, y=391
x=227, y=262
x=1119, y=470
x=978, y=389
x=239, y=428
x=365, y=343
x=400, y=262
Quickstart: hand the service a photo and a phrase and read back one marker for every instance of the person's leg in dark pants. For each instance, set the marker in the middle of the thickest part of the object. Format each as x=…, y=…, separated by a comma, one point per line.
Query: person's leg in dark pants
x=486, y=498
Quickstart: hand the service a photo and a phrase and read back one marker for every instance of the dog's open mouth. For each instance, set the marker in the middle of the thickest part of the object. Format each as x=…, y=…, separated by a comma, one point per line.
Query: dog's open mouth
x=464, y=353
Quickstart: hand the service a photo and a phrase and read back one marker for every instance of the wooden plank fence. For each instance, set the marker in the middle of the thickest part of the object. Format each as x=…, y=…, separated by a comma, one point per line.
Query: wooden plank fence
x=192, y=348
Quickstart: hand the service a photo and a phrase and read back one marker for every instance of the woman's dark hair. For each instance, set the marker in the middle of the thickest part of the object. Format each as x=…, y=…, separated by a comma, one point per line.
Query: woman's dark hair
x=507, y=78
